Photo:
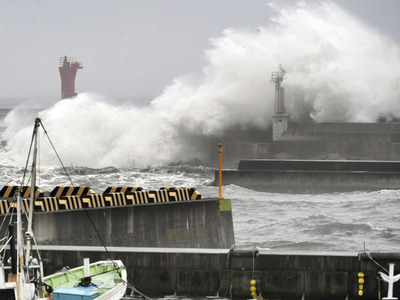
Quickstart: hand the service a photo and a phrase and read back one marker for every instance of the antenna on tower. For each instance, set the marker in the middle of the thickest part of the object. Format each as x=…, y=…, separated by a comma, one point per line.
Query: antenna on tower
x=280, y=118
x=277, y=77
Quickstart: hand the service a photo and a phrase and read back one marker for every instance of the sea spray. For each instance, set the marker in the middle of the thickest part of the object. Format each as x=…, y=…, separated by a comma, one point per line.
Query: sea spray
x=338, y=69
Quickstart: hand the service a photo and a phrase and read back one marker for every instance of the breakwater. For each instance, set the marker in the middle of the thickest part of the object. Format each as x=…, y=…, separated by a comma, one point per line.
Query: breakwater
x=313, y=176
x=205, y=223
x=125, y=216
x=157, y=272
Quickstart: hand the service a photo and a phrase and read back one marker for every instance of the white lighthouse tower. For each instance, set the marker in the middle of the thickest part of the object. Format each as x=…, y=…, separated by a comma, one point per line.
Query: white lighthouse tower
x=280, y=119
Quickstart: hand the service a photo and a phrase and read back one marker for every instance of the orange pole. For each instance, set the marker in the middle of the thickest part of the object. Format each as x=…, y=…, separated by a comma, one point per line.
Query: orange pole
x=220, y=171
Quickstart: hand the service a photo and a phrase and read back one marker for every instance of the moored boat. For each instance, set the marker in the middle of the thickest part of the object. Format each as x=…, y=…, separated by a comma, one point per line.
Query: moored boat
x=99, y=280
x=25, y=279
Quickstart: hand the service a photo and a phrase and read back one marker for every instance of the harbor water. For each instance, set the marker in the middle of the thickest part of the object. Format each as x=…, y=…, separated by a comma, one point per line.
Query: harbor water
x=355, y=221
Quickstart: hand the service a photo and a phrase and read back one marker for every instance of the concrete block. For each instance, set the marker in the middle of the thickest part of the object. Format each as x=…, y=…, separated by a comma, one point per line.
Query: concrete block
x=240, y=281
x=326, y=285
x=314, y=261
x=282, y=284
x=155, y=282
x=197, y=283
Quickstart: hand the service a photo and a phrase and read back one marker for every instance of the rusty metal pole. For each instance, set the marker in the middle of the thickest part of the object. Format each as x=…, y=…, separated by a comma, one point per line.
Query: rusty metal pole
x=220, y=171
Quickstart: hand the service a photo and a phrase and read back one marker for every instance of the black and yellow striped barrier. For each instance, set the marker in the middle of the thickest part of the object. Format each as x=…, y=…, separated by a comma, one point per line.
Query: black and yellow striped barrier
x=139, y=197
x=93, y=200
x=9, y=191
x=46, y=204
x=24, y=205
x=69, y=198
x=60, y=191
x=175, y=194
x=115, y=199
x=182, y=194
x=122, y=189
x=4, y=206
x=70, y=202
x=158, y=196
x=194, y=194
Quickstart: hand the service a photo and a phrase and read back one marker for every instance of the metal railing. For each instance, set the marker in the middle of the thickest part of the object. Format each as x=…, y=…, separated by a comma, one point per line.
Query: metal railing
x=70, y=61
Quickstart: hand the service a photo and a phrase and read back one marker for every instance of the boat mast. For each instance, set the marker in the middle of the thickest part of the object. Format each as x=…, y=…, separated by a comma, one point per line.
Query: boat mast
x=20, y=250
x=32, y=195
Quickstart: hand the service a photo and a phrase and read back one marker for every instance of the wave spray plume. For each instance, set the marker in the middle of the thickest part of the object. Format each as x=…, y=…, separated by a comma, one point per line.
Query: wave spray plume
x=338, y=69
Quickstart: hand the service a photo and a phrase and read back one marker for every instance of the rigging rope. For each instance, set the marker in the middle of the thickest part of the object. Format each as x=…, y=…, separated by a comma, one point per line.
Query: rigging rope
x=374, y=261
x=133, y=289
x=55, y=151
x=22, y=181
x=29, y=155
x=86, y=211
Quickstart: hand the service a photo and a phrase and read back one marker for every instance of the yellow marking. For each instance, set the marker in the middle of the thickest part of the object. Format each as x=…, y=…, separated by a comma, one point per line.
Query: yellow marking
x=154, y=197
x=143, y=197
x=81, y=190
x=8, y=191
x=27, y=192
x=131, y=198
x=88, y=201
x=122, y=199
x=4, y=206
x=173, y=195
x=109, y=199
x=166, y=195
x=195, y=195
x=225, y=205
x=49, y=205
x=99, y=201
x=63, y=202
x=46, y=201
x=53, y=203
x=59, y=191
x=102, y=201
x=38, y=192
x=186, y=194
x=79, y=201
x=118, y=199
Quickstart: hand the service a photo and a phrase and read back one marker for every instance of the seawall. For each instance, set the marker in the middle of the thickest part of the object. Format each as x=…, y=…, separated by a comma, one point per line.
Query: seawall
x=313, y=176
x=205, y=223
x=158, y=272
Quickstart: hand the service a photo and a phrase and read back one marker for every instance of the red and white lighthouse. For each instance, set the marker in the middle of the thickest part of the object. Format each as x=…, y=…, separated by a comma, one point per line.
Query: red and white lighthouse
x=68, y=68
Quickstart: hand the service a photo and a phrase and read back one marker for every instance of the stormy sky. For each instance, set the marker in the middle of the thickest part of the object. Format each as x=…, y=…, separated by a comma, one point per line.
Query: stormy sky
x=133, y=49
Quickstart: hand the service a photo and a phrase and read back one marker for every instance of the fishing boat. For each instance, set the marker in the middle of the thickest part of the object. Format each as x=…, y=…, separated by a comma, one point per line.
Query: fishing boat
x=99, y=280
x=24, y=269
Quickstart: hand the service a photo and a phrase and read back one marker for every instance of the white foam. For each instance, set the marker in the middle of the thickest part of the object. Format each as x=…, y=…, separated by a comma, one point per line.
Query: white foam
x=338, y=69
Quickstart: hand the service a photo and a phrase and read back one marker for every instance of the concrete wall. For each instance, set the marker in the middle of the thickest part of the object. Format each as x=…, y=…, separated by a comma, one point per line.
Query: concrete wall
x=205, y=223
x=309, y=140
x=310, y=181
x=341, y=127
x=319, y=165
x=191, y=224
x=158, y=272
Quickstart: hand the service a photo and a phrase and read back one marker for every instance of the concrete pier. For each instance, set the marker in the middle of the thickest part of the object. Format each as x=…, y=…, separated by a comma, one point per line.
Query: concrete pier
x=205, y=223
x=158, y=272
x=187, y=248
x=313, y=176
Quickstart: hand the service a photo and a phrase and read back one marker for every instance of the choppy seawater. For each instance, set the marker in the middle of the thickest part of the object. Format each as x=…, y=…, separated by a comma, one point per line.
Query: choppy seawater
x=337, y=221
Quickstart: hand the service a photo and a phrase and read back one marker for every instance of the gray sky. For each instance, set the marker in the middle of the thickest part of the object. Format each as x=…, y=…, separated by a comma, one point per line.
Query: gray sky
x=131, y=48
